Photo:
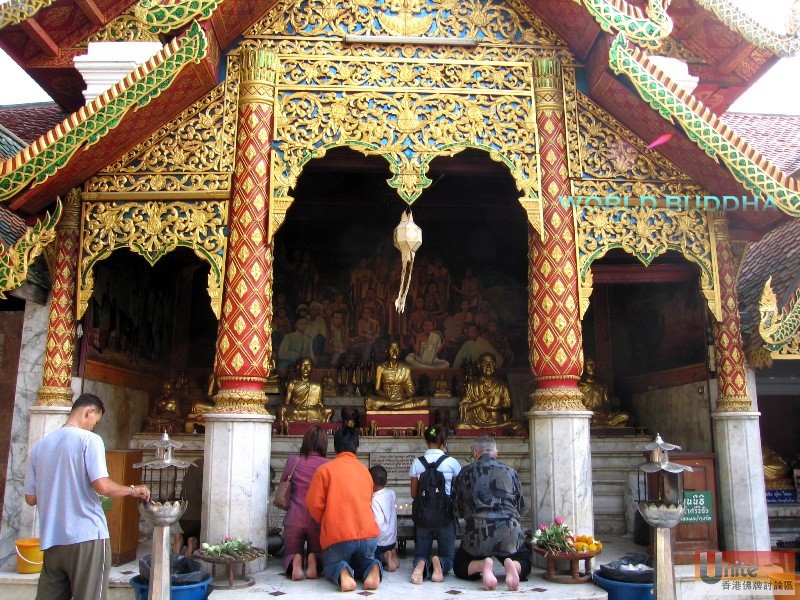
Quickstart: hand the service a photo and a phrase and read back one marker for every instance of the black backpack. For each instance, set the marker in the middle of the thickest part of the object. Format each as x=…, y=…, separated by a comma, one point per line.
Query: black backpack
x=432, y=507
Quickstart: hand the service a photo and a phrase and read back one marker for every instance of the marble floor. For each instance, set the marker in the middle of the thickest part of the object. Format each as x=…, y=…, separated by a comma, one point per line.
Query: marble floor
x=397, y=585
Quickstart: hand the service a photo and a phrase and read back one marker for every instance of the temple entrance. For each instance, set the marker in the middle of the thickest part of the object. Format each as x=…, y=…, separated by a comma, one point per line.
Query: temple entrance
x=334, y=254
x=146, y=326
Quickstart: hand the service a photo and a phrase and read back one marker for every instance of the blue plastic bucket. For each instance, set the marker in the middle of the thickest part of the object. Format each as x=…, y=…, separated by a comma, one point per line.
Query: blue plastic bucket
x=193, y=591
x=622, y=590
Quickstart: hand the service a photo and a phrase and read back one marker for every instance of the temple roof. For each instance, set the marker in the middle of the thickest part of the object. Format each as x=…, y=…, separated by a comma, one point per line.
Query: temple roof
x=777, y=137
x=10, y=144
x=29, y=121
x=45, y=42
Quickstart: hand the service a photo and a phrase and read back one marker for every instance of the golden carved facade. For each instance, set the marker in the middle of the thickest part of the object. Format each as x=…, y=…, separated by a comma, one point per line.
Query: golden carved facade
x=152, y=229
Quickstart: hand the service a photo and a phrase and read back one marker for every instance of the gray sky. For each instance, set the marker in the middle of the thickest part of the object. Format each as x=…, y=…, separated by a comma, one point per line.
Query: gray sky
x=777, y=92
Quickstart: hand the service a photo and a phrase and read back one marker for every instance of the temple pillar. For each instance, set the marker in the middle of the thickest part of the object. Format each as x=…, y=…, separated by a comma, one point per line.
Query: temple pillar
x=54, y=401
x=561, y=466
x=737, y=437
x=239, y=429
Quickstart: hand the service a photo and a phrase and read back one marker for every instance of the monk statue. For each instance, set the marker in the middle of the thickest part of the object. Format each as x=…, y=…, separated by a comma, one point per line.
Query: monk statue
x=394, y=387
x=304, y=398
x=273, y=383
x=487, y=400
x=167, y=413
x=195, y=420
x=442, y=388
x=595, y=398
x=328, y=384
x=775, y=468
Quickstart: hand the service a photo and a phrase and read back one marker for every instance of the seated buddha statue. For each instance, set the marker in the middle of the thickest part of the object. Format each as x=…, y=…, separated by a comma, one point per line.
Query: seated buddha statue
x=595, y=398
x=394, y=387
x=195, y=421
x=328, y=384
x=304, y=398
x=167, y=413
x=775, y=468
x=442, y=388
x=487, y=400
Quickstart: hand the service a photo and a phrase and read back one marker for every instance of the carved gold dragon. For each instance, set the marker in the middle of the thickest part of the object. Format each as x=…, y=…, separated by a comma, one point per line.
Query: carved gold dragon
x=777, y=328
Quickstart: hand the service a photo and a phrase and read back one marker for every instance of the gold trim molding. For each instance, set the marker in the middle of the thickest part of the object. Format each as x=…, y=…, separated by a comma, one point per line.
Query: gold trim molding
x=558, y=398
x=152, y=229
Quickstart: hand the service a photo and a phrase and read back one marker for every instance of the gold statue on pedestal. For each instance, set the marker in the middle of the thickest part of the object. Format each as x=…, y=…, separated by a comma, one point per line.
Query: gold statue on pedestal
x=776, y=469
x=595, y=398
x=304, y=398
x=394, y=387
x=167, y=413
x=487, y=400
x=442, y=389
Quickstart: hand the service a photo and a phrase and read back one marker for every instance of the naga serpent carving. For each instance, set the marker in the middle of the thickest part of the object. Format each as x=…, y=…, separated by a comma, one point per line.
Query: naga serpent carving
x=786, y=44
x=647, y=29
x=15, y=260
x=704, y=128
x=777, y=329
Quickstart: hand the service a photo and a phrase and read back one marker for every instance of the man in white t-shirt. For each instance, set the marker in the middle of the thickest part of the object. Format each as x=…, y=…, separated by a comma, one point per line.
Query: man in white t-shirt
x=66, y=472
x=384, y=507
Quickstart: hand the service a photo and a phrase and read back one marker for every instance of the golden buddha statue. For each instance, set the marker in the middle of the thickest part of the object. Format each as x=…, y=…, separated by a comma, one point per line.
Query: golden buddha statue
x=394, y=387
x=273, y=383
x=195, y=420
x=304, y=398
x=167, y=413
x=328, y=384
x=595, y=398
x=442, y=390
x=776, y=469
x=487, y=400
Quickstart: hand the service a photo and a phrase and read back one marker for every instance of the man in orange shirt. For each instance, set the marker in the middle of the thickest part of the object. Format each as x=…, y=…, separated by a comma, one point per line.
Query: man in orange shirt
x=340, y=499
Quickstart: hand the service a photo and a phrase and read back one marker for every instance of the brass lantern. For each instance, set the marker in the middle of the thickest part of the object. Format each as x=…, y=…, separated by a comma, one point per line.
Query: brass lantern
x=407, y=239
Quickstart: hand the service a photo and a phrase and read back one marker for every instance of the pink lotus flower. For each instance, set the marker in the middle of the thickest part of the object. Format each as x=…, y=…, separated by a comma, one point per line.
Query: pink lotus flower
x=228, y=538
x=559, y=520
x=543, y=527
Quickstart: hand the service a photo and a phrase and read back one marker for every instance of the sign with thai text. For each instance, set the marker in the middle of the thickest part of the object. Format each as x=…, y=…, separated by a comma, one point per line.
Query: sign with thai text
x=698, y=507
x=397, y=464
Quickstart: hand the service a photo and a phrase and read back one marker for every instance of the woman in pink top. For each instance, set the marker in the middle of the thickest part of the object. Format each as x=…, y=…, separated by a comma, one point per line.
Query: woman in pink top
x=299, y=527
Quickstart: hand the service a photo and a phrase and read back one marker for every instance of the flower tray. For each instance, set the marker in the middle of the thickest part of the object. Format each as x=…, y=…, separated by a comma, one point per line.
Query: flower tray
x=233, y=582
x=573, y=574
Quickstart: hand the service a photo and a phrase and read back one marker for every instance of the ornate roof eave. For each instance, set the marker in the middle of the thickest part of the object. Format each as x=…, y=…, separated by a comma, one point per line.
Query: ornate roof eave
x=103, y=129
x=780, y=330
x=705, y=129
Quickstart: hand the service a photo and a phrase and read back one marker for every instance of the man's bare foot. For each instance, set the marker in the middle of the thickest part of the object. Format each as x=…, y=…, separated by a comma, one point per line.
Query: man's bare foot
x=487, y=574
x=373, y=580
x=512, y=575
x=297, y=568
x=177, y=543
x=311, y=570
x=392, y=561
x=346, y=581
x=418, y=574
x=191, y=547
x=438, y=574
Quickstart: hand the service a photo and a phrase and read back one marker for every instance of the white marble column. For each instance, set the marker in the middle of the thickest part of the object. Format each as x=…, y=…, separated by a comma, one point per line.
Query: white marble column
x=29, y=380
x=561, y=468
x=42, y=420
x=740, y=473
x=236, y=479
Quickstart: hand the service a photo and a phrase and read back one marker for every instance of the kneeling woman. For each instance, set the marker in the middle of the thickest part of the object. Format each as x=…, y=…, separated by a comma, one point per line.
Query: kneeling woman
x=299, y=527
x=425, y=564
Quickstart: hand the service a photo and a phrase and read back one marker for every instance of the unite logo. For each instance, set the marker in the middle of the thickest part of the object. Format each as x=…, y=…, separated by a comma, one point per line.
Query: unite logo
x=752, y=574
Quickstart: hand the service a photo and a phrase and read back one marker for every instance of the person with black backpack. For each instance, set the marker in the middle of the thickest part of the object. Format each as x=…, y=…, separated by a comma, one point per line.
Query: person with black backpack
x=432, y=477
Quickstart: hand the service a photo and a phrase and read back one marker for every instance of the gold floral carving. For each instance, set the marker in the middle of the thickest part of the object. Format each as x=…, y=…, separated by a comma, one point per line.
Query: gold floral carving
x=12, y=13
x=408, y=104
x=54, y=396
x=145, y=20
x=240, y=402
x=558, y=398
x=152, y=229
x=191, y=156
x=734, y=404
x=647, y=233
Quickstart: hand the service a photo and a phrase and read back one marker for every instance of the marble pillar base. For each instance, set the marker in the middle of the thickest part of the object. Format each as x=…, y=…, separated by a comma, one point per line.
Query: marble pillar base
x=740, y=472
x=42, y=421
x=236, y=479
x=561, y=469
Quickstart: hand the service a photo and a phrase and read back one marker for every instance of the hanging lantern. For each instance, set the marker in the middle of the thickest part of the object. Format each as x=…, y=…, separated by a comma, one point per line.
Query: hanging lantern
x=407, y=239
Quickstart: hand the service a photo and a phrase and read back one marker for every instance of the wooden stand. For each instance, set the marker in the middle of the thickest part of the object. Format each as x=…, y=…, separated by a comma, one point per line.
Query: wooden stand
x=231, y=581
x=573, y=574
x=396, y=422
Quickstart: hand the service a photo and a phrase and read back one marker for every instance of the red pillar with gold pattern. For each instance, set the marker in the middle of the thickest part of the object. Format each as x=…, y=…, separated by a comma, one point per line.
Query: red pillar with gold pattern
x=59, y=355
x=559, y=423
x=737, y=435
x=238, y=433
x=243, y=342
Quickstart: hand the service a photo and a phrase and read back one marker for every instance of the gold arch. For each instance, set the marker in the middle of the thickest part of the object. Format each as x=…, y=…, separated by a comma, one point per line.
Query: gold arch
x=152, y=230
x=647, y=233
